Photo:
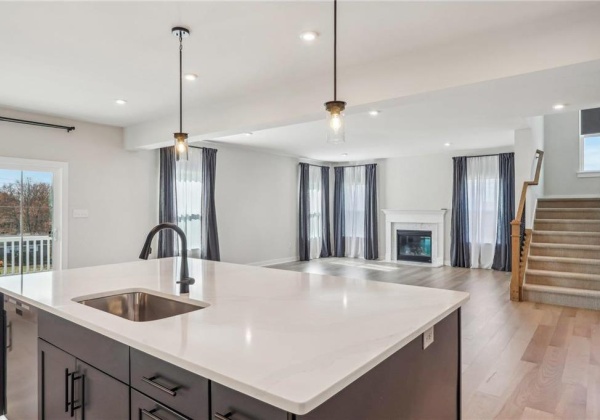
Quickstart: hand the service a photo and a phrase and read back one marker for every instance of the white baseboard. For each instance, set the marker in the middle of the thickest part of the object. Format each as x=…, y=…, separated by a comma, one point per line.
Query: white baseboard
x=275, y=261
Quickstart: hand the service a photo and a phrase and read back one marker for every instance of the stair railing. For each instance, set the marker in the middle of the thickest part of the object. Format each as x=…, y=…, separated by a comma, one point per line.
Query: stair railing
x=519, y=232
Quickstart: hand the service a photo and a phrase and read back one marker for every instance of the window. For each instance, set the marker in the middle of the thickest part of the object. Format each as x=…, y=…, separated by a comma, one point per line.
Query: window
x=590, y=153
x=189, y=197
x=315, y=194
x=589, y=144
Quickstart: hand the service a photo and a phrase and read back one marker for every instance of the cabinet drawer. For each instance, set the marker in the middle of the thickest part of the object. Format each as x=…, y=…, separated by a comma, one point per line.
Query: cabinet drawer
x=102, y=352
x=145, y=408
x=177, y=388
x=234, y=405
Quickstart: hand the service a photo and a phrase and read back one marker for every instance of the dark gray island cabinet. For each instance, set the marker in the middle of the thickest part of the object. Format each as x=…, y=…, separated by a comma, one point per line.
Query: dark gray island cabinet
x=85, y=375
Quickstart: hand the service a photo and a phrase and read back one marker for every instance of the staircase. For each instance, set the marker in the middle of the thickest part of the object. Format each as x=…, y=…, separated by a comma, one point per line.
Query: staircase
x=563, y=265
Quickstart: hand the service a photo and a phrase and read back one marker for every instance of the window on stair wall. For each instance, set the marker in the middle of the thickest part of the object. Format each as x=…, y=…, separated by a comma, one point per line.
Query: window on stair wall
x=589, y=143
x=189, y=198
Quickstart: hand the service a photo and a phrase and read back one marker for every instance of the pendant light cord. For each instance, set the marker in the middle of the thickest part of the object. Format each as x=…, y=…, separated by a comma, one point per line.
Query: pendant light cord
x=335, y=50
x=180, y=82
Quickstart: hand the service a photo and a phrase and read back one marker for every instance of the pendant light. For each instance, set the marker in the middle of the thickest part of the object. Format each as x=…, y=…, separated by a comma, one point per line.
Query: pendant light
x=335, y=108
x=181, y=144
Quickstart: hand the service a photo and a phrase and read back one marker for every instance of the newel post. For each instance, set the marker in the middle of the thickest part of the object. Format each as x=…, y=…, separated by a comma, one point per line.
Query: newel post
x=515, y=280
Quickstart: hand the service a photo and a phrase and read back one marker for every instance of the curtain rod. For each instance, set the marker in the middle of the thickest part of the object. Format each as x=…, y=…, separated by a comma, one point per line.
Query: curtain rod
x=354, y=166
x=312, y=164
x=37, y=123
x=200, y=147
x=476, y=156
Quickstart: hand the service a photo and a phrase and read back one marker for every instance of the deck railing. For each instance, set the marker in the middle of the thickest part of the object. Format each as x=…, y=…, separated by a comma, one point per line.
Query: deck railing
x=521, y=235
x=25, y=254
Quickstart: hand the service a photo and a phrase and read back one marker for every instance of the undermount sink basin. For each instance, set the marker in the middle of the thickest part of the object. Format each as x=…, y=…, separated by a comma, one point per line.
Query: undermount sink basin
x=140, y=306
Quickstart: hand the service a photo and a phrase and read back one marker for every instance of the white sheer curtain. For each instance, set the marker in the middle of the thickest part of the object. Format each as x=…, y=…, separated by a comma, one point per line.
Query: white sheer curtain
x=188, y=175
x=483, y=179
x=315, y=192
x=354, y=211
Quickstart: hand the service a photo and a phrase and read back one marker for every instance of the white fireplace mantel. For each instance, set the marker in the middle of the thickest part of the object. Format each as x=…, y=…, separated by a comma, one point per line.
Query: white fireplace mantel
x=432, y=220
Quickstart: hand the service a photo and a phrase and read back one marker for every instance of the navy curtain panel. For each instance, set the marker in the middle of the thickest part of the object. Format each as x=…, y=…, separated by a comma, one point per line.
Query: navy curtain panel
x=303, y=212
x=208, y=227
x=371, y=235
x=460, y=253
x=167, y=205
x=325, y=225
x=506, y=211
x=338, y=213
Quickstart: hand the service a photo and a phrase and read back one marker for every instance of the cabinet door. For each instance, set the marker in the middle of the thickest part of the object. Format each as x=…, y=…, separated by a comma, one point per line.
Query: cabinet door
x=103, y=397
x=55, y=368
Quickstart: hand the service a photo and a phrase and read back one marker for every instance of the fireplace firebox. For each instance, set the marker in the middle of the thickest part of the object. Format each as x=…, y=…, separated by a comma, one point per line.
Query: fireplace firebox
x=413, y=245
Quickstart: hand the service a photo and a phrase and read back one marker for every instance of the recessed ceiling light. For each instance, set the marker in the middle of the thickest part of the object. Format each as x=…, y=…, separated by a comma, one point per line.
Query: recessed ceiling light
x=191, y=76
x=120, y=101
x=249, y=133
x=374, y=113
x=559, y=106
x=309, y=36
x=447, y=144
x=344, y=154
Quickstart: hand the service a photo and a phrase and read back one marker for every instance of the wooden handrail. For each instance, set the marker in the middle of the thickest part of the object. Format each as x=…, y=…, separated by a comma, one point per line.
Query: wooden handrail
x=518, y=233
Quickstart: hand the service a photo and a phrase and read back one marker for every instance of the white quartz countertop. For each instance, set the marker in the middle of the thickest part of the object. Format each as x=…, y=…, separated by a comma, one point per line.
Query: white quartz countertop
x=289, y=339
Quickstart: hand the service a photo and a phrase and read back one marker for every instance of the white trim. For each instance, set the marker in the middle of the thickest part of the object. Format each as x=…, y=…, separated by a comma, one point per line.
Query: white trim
x=588, y=174
x=60, y=170
x=273, y=262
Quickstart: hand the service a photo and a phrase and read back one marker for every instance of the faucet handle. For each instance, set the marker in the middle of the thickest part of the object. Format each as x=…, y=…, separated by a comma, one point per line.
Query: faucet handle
x=187, y=280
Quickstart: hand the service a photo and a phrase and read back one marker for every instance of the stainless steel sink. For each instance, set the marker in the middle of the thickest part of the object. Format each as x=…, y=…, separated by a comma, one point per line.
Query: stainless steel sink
x=140, y=306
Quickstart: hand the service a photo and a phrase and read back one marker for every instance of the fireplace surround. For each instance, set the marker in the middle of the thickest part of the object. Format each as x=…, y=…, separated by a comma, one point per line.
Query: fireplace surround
x=415, y=220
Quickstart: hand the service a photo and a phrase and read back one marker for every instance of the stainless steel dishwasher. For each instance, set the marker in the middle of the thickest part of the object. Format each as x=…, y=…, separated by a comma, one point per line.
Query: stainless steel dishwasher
x=21, y=360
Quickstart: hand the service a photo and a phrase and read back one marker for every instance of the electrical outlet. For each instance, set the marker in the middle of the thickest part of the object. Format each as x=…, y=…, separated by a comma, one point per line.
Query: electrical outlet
x=427, y=338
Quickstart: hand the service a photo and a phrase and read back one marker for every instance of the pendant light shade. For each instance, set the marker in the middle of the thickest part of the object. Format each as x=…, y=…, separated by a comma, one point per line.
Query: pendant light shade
x=335, y=109
x=181, y=143
x=335, y=121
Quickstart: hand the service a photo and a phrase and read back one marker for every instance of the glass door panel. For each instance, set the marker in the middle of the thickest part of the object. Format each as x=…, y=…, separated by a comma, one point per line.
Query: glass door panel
x=26, y=221
x=10, y=221
x=37, y=222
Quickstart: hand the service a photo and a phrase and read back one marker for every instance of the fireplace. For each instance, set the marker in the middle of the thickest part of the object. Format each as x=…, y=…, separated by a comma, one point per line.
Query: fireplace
x=413, y=245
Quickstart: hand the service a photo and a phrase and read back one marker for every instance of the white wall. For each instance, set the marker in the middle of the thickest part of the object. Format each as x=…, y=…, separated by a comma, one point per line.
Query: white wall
x=562, y=157
x=420, y=183
x=118, y=187
x=256, y=200
x=527, y=142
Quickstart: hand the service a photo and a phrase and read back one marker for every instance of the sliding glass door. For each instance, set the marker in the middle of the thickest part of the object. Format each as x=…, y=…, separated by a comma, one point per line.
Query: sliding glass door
x=29, y=220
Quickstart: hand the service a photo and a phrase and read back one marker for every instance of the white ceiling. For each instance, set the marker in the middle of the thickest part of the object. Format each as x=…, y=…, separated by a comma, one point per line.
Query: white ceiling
x=481, y=115
x=73, y=59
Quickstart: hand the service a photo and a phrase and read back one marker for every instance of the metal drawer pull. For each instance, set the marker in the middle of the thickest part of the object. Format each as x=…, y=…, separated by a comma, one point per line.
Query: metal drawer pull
x=70, y=405
x=226, y=416
x=151, y=381
x=149, y=414
x=9, y=336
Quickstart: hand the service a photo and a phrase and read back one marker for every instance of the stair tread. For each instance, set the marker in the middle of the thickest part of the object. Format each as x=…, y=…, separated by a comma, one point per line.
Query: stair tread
x=562, y=290
x=565, y=246
x=567, y=220
x=563, y=274
x=553, y=209
x=570, y=260
x=569, y=199
x=566, y=233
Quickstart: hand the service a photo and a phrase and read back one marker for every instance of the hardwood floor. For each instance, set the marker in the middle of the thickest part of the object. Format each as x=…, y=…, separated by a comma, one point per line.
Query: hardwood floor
x=521, y=360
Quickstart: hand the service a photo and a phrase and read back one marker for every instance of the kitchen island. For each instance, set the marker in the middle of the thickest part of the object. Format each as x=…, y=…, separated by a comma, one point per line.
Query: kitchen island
x=267, y=344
